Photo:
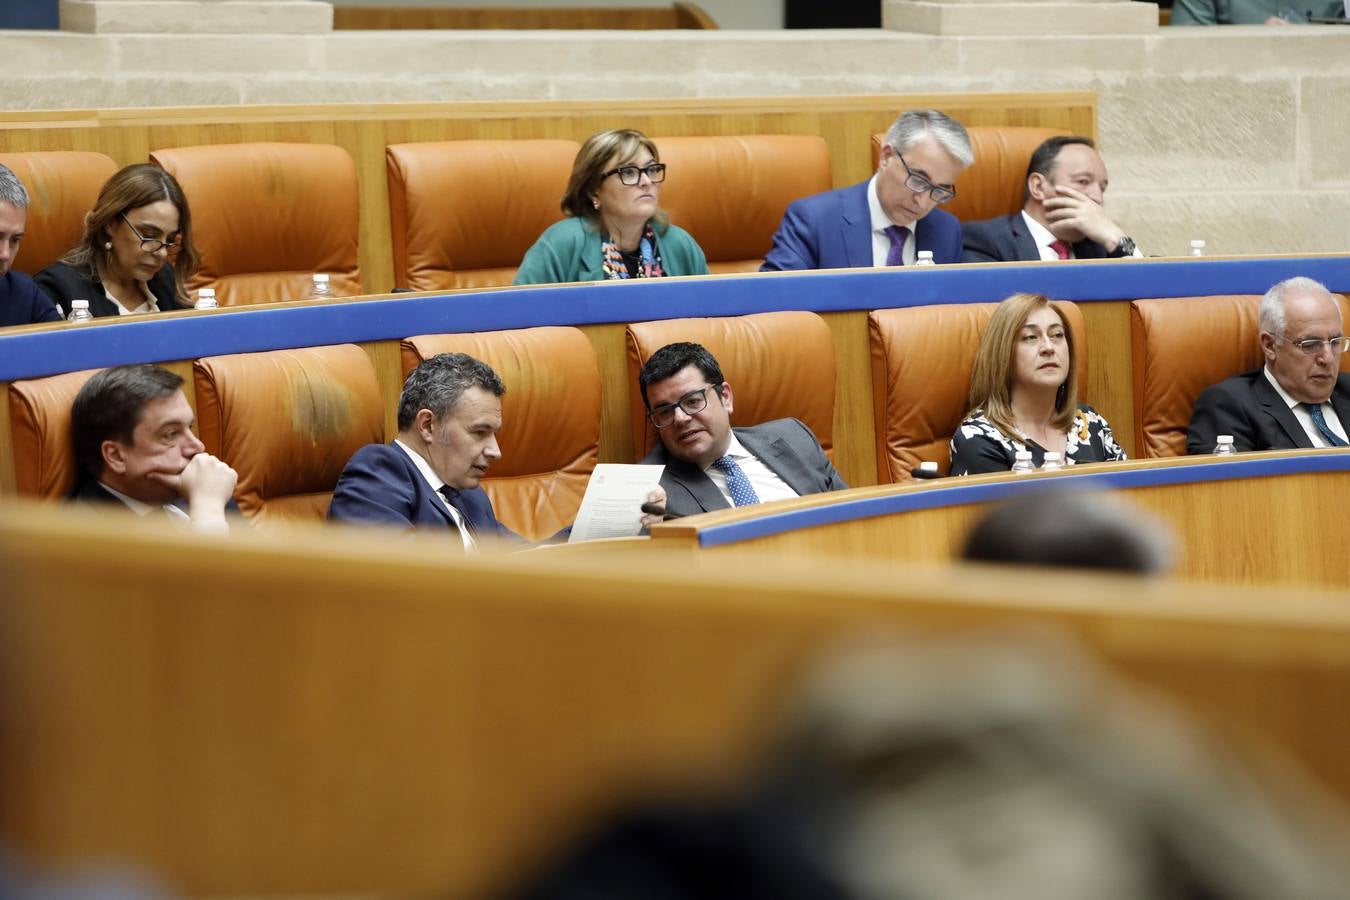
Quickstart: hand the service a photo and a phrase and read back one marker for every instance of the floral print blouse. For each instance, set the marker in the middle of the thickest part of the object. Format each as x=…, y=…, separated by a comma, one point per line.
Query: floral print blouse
x=979, y=447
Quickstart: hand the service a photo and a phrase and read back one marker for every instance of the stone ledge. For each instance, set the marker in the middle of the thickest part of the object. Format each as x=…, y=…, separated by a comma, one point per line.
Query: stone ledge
x=995, y=19
x=197, y=16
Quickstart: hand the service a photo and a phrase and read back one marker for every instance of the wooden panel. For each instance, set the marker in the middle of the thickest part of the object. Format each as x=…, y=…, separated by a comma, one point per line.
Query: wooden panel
x=314, y=713
x=640, y=18
x=854, y=428
x=1110, y=378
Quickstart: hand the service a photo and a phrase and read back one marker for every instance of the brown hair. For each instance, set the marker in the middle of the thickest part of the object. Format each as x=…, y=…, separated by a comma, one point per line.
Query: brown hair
x=135, y=186
x=589, y=165
x=109, y=406
x=991, y=376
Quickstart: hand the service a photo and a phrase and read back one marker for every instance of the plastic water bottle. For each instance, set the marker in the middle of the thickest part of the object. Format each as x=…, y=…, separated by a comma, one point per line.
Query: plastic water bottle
x=320, y=289
x=925, y=258
x=1197, y=248
x=1225, y=446
x=79, y=312
x=1022, y=464
x=206, y=299
x=1052, y=462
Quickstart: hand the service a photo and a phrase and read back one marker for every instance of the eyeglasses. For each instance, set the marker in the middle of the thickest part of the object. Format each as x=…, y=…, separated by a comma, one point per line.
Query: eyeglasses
x=152, y=245
x=1313, y=346
x=692, y=402
x=920, y=185
x=631, y=175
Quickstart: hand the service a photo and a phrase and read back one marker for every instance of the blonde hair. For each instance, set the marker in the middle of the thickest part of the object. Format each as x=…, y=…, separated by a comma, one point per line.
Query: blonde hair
x=992, y=375
x=588, y=167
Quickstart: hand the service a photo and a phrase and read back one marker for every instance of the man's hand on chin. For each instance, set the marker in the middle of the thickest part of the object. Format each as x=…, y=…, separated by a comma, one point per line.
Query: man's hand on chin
x=206, y=483
x=1073, y=216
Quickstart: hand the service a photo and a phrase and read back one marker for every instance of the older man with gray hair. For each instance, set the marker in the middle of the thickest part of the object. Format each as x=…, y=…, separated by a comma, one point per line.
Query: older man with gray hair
x=893, y=216
x=1298, y=398
x=21, y=303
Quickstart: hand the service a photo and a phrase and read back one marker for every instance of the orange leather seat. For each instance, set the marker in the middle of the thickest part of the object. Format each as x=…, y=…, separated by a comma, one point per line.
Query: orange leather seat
x=1180, y=347
x=62, y=187
x=993, y=186
x=288, y=421
x=921, y=362
x=779, y=365
x=39, y=413
x=730, y=192
x=550, y=437
x=463, y=213
x=267, y=217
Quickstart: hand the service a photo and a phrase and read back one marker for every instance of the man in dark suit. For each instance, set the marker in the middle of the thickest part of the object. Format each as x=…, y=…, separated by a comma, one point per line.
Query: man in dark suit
x=131, y=427
x=888, y=219
x=1298, y=398
x=428, y=478
x=21, y=303
x=709, y=464
x=1062, y=216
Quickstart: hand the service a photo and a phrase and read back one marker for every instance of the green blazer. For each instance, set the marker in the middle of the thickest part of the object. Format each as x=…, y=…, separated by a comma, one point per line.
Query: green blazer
x=570, y=251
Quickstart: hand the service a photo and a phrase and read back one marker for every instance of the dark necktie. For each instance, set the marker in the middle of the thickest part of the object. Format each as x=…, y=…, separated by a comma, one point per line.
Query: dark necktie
x=898, y=235
x=454, y=499
x=1061, y=249
x=738, y=485
x=1332, y=438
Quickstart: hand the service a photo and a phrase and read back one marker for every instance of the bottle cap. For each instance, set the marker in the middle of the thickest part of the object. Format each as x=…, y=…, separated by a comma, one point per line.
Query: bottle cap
x=1023, y=454
x=928, y=465
x=1225, y=439
x=321, y=277
x=925, y=254
x=79, y=304
x=1197, y=245
x=1049, y=455
x=206, y=292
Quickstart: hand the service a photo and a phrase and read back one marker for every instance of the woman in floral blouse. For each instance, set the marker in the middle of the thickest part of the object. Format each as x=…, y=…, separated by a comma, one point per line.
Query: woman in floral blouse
x=1024, y=396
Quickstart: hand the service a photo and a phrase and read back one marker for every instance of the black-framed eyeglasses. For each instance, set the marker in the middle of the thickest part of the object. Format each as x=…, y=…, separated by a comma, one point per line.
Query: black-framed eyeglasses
x=693, y=402
x=631, y=175
x=153, y=245
x=920, y=185
x=1313, y=346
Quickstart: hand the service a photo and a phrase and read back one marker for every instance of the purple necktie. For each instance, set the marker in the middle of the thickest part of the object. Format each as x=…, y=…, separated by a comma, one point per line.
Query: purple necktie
x=898, y=235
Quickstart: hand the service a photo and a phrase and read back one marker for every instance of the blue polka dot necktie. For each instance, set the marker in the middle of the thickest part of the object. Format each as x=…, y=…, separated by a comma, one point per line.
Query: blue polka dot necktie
x=452, y=497
x=738, y=486
x=1332, y=438
x=898, y=235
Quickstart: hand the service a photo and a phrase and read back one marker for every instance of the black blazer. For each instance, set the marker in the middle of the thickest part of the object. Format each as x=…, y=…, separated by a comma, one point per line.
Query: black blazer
x=786, y=446
x=1248, y=407
x=89, y=490
x=1007, y=239
x=63, y=283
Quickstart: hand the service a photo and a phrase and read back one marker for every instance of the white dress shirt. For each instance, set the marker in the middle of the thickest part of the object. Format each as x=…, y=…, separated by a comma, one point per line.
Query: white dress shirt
x=429, y=475
x=1305, y=418
x=148, y=306
x=768, y=486
x=881, y=241
x=174, y=513
x=1043, y=238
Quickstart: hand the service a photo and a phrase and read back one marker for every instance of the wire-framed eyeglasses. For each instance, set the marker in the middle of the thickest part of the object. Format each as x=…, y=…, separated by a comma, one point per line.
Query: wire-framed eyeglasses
x=920, y=185
x=153, y=245
x=691, y=403
x=1313, y=346
x=631, y=175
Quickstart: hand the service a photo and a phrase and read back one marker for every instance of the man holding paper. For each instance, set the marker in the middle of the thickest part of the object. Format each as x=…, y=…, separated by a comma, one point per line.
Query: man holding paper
x=709, y=464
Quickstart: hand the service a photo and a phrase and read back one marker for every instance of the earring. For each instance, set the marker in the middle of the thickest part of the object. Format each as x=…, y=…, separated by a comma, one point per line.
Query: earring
x=107, y=245
x=595, y=203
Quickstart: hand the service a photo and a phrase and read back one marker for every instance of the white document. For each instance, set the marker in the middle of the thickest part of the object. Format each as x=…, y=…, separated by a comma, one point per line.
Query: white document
x=612, y=506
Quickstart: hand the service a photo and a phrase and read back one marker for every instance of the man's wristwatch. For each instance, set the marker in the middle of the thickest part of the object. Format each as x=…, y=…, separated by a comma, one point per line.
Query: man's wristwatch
x=1126, y=247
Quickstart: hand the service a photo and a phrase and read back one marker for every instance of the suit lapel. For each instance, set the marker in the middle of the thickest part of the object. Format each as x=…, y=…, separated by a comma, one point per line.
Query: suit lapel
x=699, y=486
x=856, y=228
x=1273, y=405
x=778, y=456
x=1022, y=239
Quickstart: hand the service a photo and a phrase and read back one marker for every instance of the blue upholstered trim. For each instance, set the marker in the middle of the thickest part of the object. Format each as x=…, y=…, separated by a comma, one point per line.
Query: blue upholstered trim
x=29, y=355
x=959, y=493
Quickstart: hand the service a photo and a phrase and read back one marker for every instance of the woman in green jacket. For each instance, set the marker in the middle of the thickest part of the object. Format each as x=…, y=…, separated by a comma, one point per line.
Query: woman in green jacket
x=615, y=227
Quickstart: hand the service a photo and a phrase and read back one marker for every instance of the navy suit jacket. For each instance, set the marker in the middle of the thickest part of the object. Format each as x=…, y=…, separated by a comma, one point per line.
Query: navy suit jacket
x=21, y=303
x=382, y=486
x=1248, y=407
x=786, y=446
x=833, y=230
x=1007, y=239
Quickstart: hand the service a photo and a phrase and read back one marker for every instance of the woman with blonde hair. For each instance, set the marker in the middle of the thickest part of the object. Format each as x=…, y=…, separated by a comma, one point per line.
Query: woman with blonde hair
x=136, y=254
x=1024, y=394
x=615, y=228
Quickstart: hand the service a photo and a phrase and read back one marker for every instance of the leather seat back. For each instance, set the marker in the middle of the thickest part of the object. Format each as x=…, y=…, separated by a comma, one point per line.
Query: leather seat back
x=550, y=436
x=267, y=217
x=39, y=413
x=730, y=192
x=921, y=362
x=62, y=187
x=993, y=186
x=288, y=421
x=463, y=213
x=1181, y=346
x=779, y=365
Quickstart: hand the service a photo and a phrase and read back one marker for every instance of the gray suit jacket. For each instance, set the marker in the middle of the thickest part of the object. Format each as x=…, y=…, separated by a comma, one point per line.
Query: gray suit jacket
x=1249, y=409
x=786, y=446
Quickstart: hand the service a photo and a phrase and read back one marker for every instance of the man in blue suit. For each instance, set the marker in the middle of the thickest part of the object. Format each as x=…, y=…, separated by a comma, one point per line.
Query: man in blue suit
x=888, y=219
x=448, y=417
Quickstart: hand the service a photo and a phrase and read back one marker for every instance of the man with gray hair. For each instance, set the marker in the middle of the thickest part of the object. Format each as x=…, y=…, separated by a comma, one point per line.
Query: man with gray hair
x=1298, y=398
x=21, y=303
x=888, y=219
x=428, y=478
